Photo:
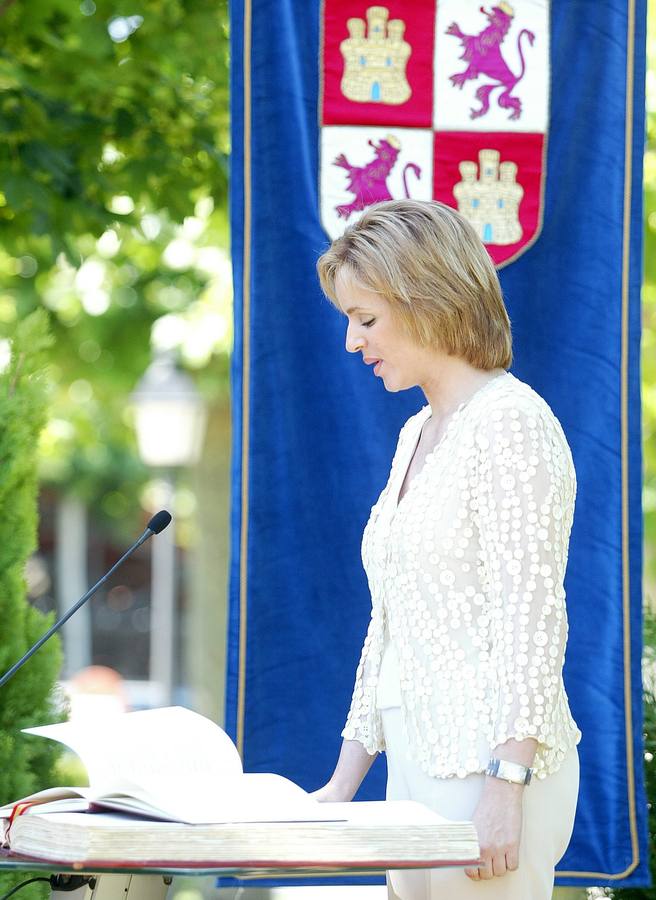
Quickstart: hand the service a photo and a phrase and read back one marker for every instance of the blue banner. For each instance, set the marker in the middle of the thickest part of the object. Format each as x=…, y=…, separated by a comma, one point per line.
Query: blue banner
x=314, y=433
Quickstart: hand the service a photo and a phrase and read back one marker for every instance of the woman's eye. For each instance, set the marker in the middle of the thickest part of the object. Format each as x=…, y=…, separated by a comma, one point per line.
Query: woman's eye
x=369, y=323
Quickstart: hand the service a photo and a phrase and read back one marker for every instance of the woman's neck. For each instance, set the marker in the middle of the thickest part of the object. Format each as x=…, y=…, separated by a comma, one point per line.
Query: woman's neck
x=450, y=382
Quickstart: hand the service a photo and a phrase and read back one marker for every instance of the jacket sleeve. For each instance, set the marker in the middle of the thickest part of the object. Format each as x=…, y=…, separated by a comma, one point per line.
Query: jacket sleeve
x=363, y=722
x=525, y=503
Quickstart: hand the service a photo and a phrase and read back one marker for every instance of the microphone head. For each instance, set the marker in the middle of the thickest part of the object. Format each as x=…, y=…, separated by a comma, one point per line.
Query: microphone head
x=159, y=521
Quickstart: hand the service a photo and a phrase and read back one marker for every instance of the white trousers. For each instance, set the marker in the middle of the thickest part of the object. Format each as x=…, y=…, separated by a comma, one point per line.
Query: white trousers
x=549, y=805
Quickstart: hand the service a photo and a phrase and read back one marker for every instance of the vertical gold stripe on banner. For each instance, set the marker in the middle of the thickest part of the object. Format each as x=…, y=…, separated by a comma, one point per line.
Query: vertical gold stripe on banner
x=624, y=405
x=624, y=447
x=245, y=384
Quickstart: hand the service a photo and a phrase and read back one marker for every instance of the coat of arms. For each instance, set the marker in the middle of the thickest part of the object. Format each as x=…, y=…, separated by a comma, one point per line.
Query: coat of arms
x=436, y=100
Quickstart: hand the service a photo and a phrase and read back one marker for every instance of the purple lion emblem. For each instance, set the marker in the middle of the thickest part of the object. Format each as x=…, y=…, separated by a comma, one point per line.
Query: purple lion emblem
x=482, y=52
x=369, y=183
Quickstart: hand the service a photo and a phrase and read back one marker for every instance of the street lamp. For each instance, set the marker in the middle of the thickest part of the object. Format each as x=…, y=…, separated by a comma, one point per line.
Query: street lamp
x=170, y=416
x=170, y=422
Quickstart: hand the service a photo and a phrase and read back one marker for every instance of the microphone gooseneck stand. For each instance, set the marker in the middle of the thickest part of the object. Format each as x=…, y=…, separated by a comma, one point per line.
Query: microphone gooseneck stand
x=157, y=524
x=115, y=887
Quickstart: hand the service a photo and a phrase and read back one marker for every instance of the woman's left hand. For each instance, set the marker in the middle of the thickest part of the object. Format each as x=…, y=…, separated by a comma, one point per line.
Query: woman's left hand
x=498, y=823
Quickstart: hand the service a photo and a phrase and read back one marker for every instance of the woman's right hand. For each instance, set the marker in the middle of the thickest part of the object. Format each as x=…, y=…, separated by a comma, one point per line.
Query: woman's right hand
x=353, y=764
x=330, y=793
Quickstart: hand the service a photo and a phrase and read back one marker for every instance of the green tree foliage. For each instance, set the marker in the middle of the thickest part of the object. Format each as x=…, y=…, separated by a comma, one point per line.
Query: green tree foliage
x=102, y=99
x=27, y=699
x=113, y=149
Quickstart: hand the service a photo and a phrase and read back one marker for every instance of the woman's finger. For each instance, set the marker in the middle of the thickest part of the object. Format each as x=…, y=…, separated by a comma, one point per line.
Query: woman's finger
x=485, y=871
x=499, y=865
x=472, y=873
x=512, y=860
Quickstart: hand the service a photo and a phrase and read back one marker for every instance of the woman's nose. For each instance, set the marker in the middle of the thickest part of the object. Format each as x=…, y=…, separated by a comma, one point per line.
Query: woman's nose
x=354, y=340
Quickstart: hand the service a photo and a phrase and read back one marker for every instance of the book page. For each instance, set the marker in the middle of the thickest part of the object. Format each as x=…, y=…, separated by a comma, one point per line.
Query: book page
x=153, y=751
x=175, y=764
x=261, y=797
x=49, y=795
x=249, y=798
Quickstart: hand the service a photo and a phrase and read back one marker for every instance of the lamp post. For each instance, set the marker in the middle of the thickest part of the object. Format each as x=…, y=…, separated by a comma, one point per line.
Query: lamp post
x=170, y=424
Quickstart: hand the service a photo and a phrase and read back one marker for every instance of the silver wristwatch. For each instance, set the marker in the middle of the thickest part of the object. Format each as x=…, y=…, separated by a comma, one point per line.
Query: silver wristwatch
x=513, y=772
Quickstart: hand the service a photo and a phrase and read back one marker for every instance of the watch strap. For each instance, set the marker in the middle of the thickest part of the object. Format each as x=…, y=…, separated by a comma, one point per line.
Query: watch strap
x=513, y=772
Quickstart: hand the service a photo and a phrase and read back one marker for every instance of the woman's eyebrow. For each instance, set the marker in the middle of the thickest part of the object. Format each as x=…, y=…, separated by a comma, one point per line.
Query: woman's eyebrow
x=355, y=309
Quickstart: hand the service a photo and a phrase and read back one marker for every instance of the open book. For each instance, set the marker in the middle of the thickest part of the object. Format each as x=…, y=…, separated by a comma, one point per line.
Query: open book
x=166, y=786
x=170, y=764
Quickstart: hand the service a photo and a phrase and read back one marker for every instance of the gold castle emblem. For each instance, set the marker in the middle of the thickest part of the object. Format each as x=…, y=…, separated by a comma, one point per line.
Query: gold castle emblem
x=491, y=201
x=375, y=57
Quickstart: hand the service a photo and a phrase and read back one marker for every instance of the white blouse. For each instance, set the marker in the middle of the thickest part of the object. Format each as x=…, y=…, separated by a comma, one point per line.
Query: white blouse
x=466, y=578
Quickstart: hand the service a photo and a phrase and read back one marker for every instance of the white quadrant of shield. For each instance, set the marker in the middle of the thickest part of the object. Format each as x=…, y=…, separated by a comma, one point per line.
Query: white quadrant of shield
x=410, y=173
x=453, y=105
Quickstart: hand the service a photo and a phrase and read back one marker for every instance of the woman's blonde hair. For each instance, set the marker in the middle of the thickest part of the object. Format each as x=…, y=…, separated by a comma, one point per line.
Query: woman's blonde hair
x=429, y=264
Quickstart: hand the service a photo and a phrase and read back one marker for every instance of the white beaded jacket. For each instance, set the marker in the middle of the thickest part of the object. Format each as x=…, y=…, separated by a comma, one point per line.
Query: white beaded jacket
x=466, y=578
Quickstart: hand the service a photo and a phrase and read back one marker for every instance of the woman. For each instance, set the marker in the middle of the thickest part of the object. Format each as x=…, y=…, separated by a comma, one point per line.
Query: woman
x=460, y=679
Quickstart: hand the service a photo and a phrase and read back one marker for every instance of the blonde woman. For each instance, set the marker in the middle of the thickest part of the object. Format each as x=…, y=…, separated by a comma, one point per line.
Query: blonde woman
x=460, y=678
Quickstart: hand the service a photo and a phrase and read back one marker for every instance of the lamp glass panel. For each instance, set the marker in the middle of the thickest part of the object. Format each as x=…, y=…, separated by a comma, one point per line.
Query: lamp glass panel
x=169, y=433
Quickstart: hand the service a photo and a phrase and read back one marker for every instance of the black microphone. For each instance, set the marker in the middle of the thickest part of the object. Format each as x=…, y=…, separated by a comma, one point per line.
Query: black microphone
x=157, y=524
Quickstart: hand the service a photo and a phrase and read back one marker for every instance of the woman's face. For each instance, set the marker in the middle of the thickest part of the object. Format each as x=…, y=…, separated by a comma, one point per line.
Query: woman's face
x=374, y=332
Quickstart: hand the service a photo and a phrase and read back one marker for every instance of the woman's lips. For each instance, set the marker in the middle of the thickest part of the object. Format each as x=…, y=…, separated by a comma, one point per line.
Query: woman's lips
x=377, y=367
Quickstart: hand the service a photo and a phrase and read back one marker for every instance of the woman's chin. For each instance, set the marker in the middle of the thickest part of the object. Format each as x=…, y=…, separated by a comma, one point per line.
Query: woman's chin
x=394, y=385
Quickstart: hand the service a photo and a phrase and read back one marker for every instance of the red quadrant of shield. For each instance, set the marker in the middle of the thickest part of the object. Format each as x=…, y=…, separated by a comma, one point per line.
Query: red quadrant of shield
x=417, y=111
x=524, y=149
